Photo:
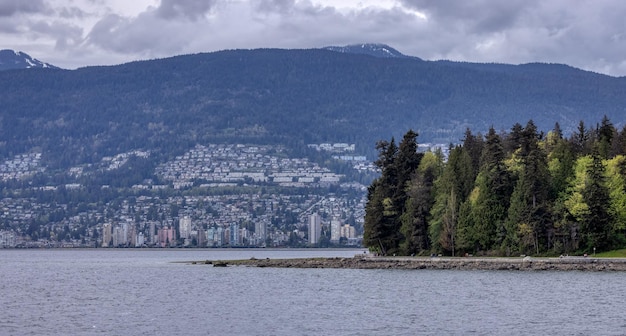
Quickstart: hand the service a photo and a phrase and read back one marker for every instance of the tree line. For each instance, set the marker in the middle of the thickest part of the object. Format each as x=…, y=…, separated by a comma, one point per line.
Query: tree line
x=505, y=193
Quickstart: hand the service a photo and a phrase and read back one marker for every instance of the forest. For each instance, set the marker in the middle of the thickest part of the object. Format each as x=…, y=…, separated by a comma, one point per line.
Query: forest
x=283, y=97
x=510, y=193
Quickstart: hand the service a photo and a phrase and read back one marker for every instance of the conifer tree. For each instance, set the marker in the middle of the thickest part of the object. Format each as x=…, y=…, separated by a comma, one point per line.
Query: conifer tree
x=528, y=215
x=397, y=165
x=415, y=219
x=454, y=185
x=606, y=133
x=494, y=188
x=597, y=222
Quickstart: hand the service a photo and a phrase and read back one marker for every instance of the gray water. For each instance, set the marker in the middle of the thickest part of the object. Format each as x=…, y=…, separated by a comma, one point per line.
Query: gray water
x=145, y=292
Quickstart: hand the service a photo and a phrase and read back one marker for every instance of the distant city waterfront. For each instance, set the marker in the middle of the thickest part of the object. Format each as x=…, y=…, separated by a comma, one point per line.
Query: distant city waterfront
x=150, y=291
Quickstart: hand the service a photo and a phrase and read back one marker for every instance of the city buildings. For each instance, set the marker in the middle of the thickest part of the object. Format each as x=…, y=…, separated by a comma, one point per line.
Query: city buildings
x=315, y=229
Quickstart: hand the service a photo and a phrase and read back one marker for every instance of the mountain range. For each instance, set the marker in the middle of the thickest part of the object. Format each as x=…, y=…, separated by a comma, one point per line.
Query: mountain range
x=10, y=60
x=356, y=94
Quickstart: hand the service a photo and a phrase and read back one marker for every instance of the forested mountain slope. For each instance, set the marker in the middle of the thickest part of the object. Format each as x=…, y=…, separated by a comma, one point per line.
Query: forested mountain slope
x=293, y=97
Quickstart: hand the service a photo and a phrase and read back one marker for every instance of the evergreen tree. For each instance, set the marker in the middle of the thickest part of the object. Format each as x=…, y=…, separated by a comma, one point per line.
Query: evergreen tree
x=473, y=145
x=415, y=219
x=597, y=222
x=528, y=215
x=619, y=144
x=512, y=140
x=454, y=186
x=606, y=133
x=389, y=193
x=581, y=140
x=493, y=188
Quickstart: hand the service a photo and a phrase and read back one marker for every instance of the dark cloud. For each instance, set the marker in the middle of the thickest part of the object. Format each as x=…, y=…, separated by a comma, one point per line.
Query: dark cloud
x=278, y=6
x=147, y=35
x=476, y=16
x=65, y=35
x=590, y=34
x=191, y=9
x=72, y=12
x=12, y=7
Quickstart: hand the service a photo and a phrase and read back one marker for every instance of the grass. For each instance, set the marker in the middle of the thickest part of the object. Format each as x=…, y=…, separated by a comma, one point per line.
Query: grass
x=612, y=254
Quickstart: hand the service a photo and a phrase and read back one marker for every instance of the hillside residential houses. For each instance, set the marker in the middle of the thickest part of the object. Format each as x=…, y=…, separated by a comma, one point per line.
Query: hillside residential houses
x=168, y=212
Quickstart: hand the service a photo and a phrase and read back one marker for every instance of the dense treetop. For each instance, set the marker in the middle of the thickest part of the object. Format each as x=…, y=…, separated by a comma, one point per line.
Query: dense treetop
x=509, y=193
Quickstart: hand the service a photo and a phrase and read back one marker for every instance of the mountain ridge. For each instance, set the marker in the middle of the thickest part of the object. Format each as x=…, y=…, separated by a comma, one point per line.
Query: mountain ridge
x=11, y=60
x=295, y=97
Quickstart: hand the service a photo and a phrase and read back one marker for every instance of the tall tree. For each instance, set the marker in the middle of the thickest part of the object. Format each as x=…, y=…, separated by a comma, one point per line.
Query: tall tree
x=397, y=165
x=616, y=184
x=597, y=222
x=473, y=145
x=528, y=215
x=493, y=187
x=606, y=134
x=415, y=219
x=380, y=215
x=452, y=187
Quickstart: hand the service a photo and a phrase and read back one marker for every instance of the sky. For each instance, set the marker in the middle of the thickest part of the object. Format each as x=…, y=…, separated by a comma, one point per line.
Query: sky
x=587, y=34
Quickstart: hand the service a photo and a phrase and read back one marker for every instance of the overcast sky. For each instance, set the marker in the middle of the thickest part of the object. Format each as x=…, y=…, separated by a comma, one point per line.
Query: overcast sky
x=588, y=34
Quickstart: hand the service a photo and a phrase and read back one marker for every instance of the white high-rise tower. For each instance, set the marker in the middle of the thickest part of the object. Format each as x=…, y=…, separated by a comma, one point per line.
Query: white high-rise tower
x=315, y=228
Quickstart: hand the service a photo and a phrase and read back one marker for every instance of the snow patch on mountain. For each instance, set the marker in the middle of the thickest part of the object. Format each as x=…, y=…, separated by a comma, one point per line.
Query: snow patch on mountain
x=12, y=59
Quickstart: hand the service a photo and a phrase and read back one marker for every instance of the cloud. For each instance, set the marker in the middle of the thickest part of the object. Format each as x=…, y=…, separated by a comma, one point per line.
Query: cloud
x=12, y=7
x=146, y=35
x=190, y=9
x=590, y=34
x=583, y=33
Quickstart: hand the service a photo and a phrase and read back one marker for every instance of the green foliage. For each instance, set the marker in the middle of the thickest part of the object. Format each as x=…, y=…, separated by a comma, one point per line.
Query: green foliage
x=388, y=194
x=531, y=195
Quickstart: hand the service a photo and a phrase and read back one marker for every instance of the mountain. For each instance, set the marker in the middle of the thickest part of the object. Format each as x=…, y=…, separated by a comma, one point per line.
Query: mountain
x=290, y=97
x=371, y=49
x=10, y=59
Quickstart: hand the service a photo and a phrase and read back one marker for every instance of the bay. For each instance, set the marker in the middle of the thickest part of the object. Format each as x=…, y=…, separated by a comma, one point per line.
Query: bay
x=142, y=292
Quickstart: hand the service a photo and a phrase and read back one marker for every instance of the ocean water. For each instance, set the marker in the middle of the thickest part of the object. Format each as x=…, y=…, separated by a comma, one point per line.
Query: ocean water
x=149, y=292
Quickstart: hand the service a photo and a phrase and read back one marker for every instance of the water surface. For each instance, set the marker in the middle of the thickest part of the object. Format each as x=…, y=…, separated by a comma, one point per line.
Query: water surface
x=137, y=292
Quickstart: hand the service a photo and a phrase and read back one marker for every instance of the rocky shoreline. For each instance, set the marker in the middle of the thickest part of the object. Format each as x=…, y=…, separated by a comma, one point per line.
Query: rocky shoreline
x=371, y=262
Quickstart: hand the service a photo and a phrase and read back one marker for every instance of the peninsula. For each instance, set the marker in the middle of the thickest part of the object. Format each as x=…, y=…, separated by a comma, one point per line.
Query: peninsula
x=441, y=263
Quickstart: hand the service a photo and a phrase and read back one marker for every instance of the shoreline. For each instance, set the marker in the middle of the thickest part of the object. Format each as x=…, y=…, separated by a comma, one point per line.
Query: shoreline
x=440, y=263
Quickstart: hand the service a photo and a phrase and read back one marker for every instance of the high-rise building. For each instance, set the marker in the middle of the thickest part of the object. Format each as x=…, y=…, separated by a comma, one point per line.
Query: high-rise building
x=234, y=234
x=201, y=238
x=315, y=228
x=167, y=236
x=119, y=238
x=152, y=237
x=184, y=227
x=348, y=231
x=260, y=231
x=106, y=235
x=335, y=230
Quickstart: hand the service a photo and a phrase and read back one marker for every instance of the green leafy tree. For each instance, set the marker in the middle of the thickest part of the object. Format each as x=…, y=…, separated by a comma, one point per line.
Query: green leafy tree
x=616, y=184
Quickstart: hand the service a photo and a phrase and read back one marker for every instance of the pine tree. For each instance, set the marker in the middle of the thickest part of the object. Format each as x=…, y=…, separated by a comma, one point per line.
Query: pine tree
x=528, y=215
x=454, y=186
x=493, y=187
x=389, y=193
x=597, y=223
x=606, y=133
x=415, y=219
